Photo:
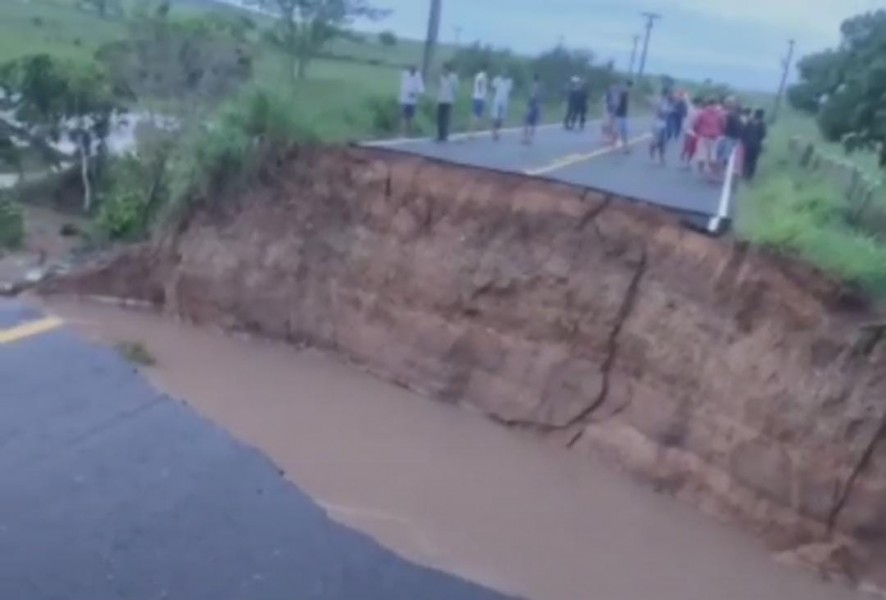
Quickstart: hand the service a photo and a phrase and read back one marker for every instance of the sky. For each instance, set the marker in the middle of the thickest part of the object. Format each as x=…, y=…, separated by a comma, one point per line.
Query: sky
x=741, y=42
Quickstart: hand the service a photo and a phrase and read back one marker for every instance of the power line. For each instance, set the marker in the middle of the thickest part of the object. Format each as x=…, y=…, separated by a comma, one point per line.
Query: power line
x=436, y=9
x=786, y=66
x=651, y=18
x=633, y=56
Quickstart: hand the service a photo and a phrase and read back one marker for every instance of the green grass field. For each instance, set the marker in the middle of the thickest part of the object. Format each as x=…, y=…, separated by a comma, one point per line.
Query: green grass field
x=348, y=96
x=792, y=210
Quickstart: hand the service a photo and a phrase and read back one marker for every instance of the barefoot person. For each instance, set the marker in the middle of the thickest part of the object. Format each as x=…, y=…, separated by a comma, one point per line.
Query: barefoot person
x=501, y=95
x=478, y=106
x=411, y=89
x=446, y=93
x=533, y=111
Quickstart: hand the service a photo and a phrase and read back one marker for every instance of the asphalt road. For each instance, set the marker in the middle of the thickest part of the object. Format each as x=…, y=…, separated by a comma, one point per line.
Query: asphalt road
x=109, y=489
x=580, y=158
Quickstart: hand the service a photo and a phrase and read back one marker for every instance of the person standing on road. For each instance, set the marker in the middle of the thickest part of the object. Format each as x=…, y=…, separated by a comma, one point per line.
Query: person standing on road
x=753, y=137
x=478, y=107
x=412, y=87
x=610, y=101
x=661, y=122
x=678, y=115
x=501, y=95
x=732, y=132
x=533, y=111
x=709, y=128
x=620, y=114
x=445, y=99
x=572, y=102
x=690, y=135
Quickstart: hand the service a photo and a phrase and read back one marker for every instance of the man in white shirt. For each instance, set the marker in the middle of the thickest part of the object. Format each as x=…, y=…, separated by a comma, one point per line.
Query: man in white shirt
x=411, y=89
x=445, y=99
x=481, y=91
x=501, y=94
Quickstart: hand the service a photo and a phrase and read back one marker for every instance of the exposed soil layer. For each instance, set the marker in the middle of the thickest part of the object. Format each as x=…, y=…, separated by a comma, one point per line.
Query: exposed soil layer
x=750, y=386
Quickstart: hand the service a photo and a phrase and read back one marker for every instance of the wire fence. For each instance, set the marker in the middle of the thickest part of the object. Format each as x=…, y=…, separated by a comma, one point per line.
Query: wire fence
x=864, y=193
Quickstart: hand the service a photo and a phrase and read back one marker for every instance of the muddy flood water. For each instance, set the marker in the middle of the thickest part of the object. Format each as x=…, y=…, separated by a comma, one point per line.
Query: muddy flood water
x=444, y=487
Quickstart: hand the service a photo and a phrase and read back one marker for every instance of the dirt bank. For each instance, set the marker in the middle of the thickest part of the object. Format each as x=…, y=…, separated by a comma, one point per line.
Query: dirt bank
x=747, y=386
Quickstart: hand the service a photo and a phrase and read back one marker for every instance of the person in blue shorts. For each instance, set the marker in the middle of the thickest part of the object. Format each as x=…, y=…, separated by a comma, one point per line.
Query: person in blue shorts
x=478, y=107
x=533, y=110
x=411, y=89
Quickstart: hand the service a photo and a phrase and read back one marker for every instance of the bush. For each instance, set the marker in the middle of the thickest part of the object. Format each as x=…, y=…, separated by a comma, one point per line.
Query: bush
x=12, y=225
x=387, y=39
x=245, y=133
x=384, y=113
x=125, y=209
x=123, y=215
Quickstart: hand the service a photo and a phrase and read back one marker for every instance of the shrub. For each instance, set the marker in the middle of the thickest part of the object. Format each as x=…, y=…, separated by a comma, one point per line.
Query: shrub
x=245, y=133
x=12, y=225
x=384, y=114
x=387, y=39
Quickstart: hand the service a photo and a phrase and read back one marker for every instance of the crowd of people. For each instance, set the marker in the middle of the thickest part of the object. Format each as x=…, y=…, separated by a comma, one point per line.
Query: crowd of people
x=498, y=90
x=712, y=130
x=709, y=130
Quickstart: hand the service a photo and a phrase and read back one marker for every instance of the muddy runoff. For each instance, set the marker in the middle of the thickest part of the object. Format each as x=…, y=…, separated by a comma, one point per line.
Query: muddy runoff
x=747, y=385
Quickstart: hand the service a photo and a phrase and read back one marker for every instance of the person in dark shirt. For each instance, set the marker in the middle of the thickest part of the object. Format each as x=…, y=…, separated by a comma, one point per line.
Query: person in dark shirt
x=753, y=136
x=620, y=115
x=581, y=104
x=732, y=133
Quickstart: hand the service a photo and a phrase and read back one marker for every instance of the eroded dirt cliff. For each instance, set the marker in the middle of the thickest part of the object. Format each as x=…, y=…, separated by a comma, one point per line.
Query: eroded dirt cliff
x=752, y=387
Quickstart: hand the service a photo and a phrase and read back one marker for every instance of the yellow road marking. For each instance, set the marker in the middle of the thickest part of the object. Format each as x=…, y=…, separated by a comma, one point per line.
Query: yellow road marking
x=27, y=330
x=572, y=159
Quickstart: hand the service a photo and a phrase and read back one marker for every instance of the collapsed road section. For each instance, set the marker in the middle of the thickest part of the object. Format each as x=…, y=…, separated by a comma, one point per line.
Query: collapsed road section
x=746, y=384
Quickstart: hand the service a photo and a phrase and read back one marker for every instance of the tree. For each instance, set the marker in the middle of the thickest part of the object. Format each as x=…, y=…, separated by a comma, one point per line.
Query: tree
x=194, y=63
x=846, y=87
x=304, y=27
x=819, y=77
x=48, y=100
x=388, y=39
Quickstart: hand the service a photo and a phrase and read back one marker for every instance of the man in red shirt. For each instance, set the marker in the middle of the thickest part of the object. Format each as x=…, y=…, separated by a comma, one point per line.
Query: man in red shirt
x=708, y=127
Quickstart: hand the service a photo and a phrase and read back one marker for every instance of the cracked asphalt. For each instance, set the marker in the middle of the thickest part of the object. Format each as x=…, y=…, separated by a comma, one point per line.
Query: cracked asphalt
x=113, y=490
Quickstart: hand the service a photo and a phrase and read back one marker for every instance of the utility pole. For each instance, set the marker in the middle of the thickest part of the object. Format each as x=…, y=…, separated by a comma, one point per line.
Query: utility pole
x=786, y=70
x=433, y=36
x=651, y=18
x=633, y=57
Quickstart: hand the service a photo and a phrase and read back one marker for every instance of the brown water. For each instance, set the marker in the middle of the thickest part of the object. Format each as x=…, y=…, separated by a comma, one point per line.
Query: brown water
x=446, y=488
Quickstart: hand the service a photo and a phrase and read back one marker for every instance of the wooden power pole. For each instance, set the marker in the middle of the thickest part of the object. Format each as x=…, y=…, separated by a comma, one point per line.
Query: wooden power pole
x=651, y=18
x=633, y=57
x=786, y=70
x=436, y=9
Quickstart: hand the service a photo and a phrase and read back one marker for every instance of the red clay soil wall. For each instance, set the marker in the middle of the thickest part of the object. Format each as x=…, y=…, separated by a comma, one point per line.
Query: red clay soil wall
x=751, y=387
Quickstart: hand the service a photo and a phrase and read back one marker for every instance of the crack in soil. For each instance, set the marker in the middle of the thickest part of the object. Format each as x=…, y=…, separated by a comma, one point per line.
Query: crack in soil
x=625, y=310
x=843, y=498
x=595, y=211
